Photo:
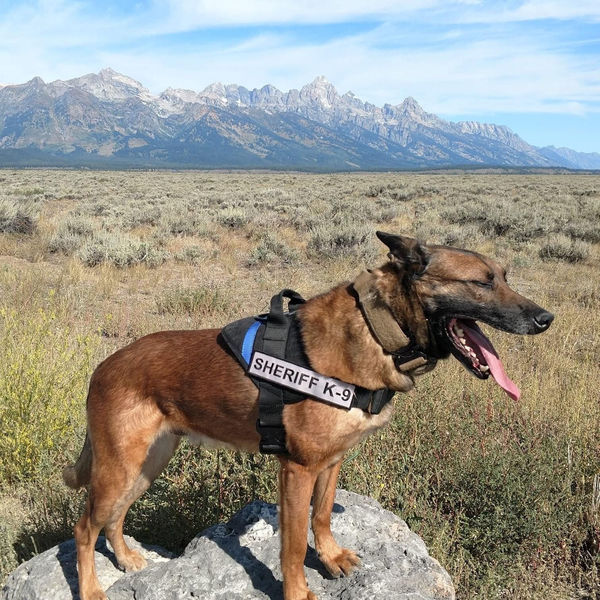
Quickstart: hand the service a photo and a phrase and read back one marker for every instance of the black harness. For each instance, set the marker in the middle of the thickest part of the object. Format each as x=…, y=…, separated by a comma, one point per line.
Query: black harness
x=278, y=334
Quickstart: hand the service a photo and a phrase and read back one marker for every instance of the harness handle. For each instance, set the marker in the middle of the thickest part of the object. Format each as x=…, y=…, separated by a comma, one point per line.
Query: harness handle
x=276, y=314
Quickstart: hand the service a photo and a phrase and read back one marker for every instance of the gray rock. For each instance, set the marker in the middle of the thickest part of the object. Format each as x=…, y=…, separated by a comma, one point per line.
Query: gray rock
x=239, y=560
x=52, y=575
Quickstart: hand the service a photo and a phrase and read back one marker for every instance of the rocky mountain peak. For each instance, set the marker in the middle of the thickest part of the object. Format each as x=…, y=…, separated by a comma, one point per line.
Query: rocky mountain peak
x=179, y=95
x=107, y=72
x=411, y=106
x=216, y=89
x=269, y=89
x=110, y=85
x=36, y=82
x=321, y=92
x=268, y=95
x=320, y=81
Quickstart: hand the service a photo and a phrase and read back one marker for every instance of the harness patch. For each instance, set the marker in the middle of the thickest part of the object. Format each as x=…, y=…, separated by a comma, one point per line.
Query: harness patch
x=298, y=378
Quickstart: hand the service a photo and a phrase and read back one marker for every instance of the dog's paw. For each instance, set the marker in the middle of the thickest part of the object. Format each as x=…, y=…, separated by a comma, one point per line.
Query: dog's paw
x=132, y=561
x=97, y=594
x=301, y=595
x=309, y=596
x=342, y=562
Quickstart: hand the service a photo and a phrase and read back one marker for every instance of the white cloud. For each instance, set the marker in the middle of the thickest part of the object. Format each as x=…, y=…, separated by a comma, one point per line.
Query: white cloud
x=458, y=69
x=189, y=14
x=555, y=9
x=202, y=13
x=471, y=76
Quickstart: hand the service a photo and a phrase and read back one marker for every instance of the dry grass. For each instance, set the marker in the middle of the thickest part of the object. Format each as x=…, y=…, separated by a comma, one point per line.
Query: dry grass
x=503, y=493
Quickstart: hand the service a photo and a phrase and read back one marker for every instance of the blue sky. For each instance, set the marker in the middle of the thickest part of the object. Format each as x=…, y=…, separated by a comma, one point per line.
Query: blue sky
x=533, y=65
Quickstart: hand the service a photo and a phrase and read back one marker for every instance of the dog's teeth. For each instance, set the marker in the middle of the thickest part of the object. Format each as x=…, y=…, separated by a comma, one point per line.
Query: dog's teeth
x=463, y=341
x=484, y=368
x=472, y=354
x=460, y=332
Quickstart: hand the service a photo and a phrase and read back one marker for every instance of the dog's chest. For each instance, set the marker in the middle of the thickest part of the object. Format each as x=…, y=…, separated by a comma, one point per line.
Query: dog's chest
x=354, y=426
x=364, y=423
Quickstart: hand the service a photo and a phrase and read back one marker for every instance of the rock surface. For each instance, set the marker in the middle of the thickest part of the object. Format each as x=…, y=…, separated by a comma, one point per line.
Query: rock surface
x=239, y=560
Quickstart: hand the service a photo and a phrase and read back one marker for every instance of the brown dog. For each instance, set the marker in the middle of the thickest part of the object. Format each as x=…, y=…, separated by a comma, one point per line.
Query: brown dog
x=170, y=384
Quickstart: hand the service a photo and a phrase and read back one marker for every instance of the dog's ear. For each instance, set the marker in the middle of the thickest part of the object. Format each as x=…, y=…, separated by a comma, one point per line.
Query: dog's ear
x=408, y=252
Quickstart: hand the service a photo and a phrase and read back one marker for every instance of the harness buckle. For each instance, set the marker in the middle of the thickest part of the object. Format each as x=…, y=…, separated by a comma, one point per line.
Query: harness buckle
x=272, y=438
x=379, y=398
x=410, y=358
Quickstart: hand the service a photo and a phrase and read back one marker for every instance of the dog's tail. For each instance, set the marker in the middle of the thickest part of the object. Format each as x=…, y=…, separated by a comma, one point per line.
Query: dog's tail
x=79, y=474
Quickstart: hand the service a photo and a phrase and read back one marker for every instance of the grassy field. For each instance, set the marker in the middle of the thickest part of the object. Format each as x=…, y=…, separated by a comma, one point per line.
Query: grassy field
x=506, y=495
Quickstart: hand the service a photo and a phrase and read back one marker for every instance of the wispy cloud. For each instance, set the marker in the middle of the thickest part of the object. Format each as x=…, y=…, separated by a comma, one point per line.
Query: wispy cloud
x=538, y=10
x=456, y=57
x=272, y=12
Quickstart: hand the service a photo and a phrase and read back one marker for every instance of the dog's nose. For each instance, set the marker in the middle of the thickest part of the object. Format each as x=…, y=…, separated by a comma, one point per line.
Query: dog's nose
x=543, y=320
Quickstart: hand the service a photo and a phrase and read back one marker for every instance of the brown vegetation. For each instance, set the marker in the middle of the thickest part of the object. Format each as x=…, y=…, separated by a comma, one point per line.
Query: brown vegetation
x=505, y=494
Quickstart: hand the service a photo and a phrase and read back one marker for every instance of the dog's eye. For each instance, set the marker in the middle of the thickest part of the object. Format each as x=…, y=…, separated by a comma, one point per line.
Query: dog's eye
x=483, y=284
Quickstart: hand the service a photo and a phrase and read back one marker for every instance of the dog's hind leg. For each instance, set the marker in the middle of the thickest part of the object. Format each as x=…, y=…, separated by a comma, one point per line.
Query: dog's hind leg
x=127, y=455
x=337, y=560
x=108, y=494
x=157, y=458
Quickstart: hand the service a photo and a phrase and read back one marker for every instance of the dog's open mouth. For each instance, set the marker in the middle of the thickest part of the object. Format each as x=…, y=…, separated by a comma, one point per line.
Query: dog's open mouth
x=472, y=348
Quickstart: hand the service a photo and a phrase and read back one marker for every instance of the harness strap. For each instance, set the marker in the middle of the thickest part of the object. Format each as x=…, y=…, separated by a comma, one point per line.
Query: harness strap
x=270, y=404
x=372, y=401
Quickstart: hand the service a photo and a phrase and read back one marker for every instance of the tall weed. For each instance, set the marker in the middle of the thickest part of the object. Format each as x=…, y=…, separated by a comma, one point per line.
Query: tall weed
x=43, y=378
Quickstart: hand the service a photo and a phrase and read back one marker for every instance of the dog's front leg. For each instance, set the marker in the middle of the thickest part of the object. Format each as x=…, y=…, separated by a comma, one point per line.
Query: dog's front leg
x=296, y=484
x=337, y=560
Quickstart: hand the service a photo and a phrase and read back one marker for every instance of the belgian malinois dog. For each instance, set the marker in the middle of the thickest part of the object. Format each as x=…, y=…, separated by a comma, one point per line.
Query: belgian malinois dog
x=145, y=397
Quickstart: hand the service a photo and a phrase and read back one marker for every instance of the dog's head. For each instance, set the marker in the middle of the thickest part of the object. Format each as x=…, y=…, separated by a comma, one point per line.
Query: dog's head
x=456, y=288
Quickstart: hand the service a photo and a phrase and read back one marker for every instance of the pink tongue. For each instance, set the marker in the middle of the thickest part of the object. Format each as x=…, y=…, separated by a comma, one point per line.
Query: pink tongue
x=476, y=338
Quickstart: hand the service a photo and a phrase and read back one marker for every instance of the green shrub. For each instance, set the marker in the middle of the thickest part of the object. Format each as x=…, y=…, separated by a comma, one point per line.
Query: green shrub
x=141, y=215
x=303, y=219
x=233, y=218
x=120, y=250
x=79, y=225
x=375, y=190
x=192, y=254
x=71, y=234
x=28, y=192
x=43, y=378
x=561, y=248
x=344, y=241
x=201, y=301
x=496, y=217
x=587, y=231
x=18, y=217
x=200, y=487
x=272, y=250
x=186, y=223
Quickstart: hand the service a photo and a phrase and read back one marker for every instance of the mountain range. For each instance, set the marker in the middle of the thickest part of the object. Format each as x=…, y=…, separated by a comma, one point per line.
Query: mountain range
x=108, y=119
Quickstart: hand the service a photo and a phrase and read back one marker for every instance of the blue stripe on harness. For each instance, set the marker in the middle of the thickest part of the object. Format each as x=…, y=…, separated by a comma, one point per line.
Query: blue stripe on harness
x=248, y=343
